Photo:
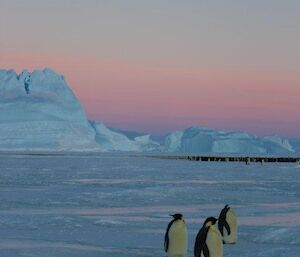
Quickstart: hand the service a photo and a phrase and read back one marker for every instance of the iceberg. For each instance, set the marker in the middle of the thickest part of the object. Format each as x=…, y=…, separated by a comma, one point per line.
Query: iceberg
x=146, y=144
x=295, y=142
x=38, y=111
x=205, y=140
x=111, y=139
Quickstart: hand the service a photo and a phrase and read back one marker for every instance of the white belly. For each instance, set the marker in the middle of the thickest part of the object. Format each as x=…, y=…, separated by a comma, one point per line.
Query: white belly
x=178, y=240
x=232, y=222
x=214, y=243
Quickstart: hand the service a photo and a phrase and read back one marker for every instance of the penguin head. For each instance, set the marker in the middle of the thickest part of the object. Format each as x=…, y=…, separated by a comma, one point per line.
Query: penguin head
x=177, y=216
x=210, y=221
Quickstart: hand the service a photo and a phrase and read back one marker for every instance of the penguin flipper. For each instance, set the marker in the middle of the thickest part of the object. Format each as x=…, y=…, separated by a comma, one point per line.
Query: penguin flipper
x=205, y=250
x=227, y=227
x=222, y=220
x=166, y=243
x=197, y=246
x=221, y=225
x=197, y=251
x=200, y=243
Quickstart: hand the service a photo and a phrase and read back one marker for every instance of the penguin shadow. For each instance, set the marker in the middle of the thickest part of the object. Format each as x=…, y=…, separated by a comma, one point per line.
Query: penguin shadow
x=214, y=233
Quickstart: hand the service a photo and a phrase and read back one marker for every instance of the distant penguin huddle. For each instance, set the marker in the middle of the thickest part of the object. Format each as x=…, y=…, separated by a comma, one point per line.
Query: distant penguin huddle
x=210, y=238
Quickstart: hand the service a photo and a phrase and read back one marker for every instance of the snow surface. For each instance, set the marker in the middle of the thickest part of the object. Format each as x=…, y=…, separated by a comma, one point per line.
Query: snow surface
x=115, y=205
x=38, y=111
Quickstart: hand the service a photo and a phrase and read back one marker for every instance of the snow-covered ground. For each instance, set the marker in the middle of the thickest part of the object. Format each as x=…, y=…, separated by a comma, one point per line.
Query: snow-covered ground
x=118, y=205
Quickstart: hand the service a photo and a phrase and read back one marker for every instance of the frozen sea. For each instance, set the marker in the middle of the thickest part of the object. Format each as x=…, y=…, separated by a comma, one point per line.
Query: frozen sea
x=118, y=205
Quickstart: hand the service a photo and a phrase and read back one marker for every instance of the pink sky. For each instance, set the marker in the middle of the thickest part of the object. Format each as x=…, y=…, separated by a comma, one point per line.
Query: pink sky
x=158, y=66
x=158, y=99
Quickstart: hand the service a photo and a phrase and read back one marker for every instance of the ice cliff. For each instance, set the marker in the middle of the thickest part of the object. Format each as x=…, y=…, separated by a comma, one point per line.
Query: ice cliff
x=38, y=111
x=204, y=140
x=114, y=140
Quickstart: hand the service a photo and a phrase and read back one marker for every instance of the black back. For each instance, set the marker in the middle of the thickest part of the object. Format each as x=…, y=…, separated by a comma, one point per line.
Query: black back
x=222, y=220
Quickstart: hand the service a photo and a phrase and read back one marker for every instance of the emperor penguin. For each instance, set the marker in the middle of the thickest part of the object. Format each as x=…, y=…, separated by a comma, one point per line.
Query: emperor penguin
x=208, y=242
x=227, y=225
x=176, y=238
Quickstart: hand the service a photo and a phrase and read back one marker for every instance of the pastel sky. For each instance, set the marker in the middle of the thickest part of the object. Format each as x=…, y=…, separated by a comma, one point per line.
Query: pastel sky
x=163, y=65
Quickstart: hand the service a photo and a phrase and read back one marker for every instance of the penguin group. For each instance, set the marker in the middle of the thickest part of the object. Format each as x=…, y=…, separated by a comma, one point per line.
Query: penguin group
x=210, y=238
